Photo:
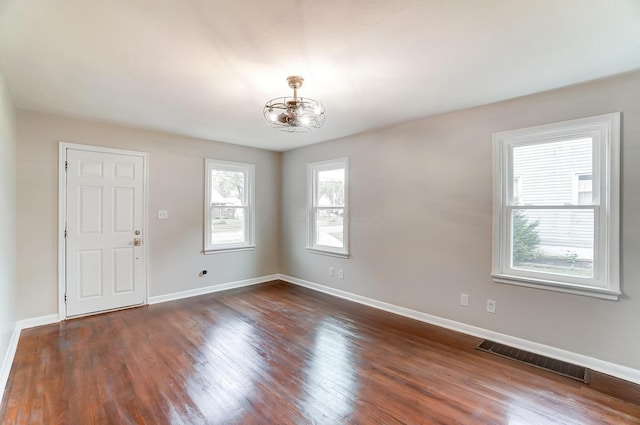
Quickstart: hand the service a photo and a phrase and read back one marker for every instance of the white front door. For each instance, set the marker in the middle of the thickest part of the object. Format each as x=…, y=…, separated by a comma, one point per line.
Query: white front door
x=105, y=261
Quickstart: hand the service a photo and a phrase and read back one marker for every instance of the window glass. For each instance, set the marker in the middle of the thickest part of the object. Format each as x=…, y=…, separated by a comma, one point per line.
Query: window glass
x=553, y=241
x=585, y=189
x=331, y=188
x=228, y=205
x=328, y=217
x=549, y=170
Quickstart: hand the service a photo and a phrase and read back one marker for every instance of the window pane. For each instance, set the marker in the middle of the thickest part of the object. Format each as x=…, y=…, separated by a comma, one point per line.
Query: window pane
x=227, y=187
x=329, y=227
x=585, y=182
x=585, y=189
x=585, y=198
x=330, y=190
x=548, y=171
x=227, y=225
x=553, y=241
x=516, y=190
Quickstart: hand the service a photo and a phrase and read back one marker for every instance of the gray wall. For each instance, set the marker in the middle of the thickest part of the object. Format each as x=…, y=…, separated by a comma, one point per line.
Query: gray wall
x=176, y=183
x=420, y=217
x=421, y=213
x=8, y=280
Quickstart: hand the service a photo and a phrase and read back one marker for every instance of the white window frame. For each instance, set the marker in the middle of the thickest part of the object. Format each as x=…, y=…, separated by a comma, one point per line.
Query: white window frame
x=312, y=184
x=249, y=206
x=604, y=130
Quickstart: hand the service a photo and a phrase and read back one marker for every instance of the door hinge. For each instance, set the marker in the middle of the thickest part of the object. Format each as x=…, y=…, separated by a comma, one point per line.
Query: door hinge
x=65, y=233
x=65, y=298
x=66, y=165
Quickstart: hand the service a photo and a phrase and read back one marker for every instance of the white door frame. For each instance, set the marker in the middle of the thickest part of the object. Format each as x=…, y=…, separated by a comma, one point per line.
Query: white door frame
x=62, y=215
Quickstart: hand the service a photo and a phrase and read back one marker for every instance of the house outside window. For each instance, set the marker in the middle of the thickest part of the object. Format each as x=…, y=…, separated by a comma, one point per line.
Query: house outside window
x=556, y=190
x=583, y=188
x=229, y=206
x=517, y=189
x=328, y=221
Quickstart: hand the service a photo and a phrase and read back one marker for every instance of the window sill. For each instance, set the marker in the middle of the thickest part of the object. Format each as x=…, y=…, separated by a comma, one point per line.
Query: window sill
x=230, y=249
x=550, y=285
x=328, y=252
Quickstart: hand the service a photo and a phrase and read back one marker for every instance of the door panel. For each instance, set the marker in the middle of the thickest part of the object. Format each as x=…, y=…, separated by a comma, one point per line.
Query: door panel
x=123, y=270
x=89, y=273
x=90, y=200
x=123, y=209
x=105, y=207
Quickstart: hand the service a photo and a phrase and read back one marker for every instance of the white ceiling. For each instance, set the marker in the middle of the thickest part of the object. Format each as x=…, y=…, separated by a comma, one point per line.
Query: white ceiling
x=205, y=68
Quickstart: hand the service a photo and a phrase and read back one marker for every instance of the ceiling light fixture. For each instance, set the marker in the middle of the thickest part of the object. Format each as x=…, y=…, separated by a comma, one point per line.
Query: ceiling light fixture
x=294, y=114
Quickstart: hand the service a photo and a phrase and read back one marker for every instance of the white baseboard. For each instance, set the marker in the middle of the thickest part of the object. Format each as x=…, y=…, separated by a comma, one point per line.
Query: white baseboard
x=213, y=288
x=613, y=369
x=38, y=321
x=8, y=360
x=13, y=344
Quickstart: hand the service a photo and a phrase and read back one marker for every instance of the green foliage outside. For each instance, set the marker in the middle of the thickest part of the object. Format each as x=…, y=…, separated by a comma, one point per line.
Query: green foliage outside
x=333, y=190
x=525, y=238
x=229, y=184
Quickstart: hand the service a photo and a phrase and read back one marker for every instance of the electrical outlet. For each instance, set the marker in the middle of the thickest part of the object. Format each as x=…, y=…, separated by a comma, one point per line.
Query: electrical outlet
x=491, y=306
x=464, y=300
x=331, y=271
x=163, y=214
x=341, y=274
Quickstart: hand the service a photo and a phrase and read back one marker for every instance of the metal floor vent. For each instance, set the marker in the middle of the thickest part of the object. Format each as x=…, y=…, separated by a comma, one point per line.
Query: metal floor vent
x=569, y=370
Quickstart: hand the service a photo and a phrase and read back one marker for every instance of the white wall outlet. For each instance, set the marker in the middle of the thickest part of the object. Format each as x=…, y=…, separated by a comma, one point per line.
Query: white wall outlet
x=464, y=300
x=491, y=306
x=341, y=274
x=163, y=214
x=331, y=271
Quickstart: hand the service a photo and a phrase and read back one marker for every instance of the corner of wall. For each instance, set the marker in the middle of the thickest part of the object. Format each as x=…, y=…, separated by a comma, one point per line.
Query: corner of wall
x=8, y=271
x=280, y=211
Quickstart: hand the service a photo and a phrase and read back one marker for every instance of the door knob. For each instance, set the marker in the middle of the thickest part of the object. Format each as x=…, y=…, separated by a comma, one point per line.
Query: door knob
x=137, y=242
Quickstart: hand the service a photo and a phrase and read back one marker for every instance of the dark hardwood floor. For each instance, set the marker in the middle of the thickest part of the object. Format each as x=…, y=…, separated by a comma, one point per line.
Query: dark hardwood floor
x=280, y=354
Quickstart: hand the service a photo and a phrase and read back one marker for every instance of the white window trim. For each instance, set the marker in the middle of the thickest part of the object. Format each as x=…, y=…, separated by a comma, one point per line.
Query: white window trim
x=248, y=244
x=605, y=131
x=312, y=172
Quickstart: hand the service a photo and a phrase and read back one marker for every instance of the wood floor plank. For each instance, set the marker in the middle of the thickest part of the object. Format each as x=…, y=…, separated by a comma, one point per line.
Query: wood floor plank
x=281, y=354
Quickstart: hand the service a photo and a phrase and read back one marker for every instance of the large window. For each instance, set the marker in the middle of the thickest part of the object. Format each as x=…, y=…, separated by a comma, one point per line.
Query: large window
x=328, y=207
x=229, y=211
x=556, y=206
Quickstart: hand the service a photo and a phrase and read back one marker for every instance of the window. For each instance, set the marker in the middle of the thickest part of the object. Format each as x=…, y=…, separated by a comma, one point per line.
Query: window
x=517, y=189
x=229, y=210
x=560, y=229
x=328, y=211
x=583, y=184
